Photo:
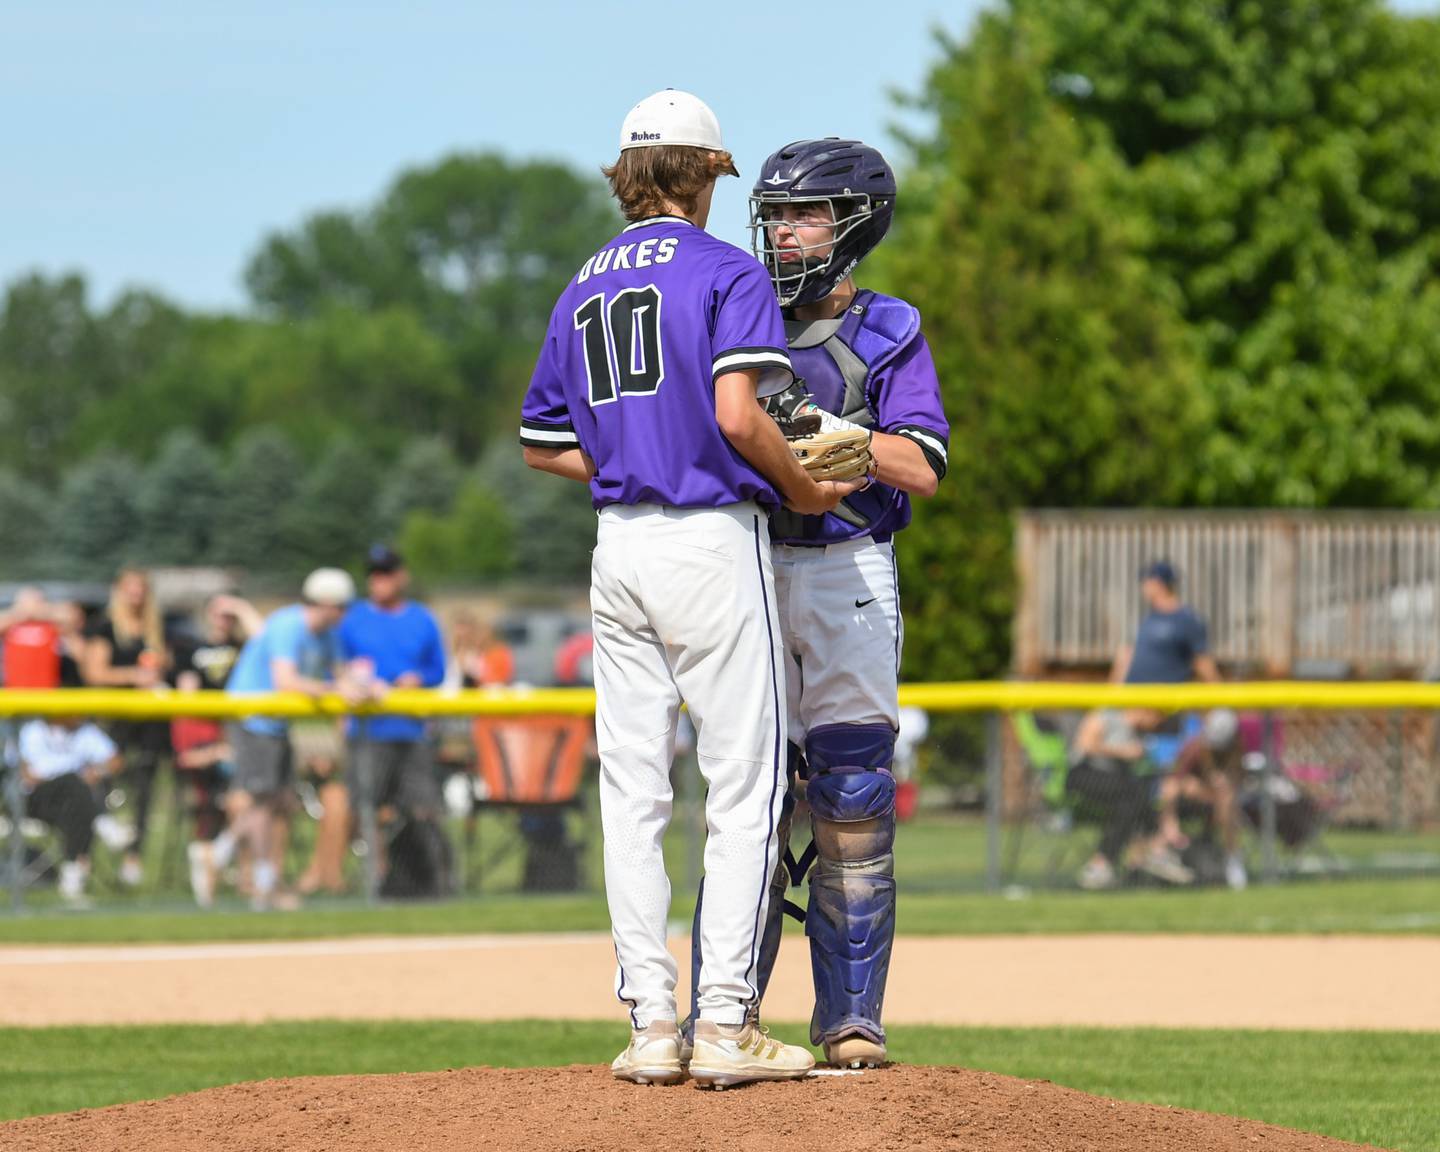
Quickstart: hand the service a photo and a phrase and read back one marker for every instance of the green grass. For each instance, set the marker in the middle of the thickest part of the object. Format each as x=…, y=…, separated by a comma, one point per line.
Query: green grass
x=1409, y=907
x=1379, y=1088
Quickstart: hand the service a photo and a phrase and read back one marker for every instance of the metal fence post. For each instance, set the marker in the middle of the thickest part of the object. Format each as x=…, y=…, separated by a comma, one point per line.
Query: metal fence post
x=15, y=803
x=994, y=800
x=1269, y=865
x=364, y=768
x=1397, y=770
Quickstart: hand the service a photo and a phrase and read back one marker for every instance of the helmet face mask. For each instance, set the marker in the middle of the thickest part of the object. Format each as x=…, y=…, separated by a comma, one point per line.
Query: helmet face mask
x=856, y=185
x=804, y=272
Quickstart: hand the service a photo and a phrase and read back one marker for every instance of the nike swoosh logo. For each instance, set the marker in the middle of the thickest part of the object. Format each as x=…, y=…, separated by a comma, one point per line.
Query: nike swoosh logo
x=862, y=603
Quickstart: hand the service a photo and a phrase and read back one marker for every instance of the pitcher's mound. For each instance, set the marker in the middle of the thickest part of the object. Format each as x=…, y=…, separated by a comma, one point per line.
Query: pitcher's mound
x=584, y=1108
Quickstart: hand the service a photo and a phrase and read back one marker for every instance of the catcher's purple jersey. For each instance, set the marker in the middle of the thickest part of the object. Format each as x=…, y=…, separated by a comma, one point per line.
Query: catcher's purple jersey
x=628, y=369
x=871, y=366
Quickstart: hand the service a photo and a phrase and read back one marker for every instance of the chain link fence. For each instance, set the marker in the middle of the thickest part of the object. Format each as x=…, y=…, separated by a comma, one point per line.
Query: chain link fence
x=495, y=804
x=1274, y=795
x=93, y=814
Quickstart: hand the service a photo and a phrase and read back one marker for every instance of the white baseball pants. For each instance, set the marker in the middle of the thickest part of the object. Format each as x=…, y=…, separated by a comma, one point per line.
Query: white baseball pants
x=840, y=619
x=684, y=609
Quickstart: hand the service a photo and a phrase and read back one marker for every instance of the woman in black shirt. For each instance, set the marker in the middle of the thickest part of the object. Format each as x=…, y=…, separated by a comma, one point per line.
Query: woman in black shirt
x=125, y=648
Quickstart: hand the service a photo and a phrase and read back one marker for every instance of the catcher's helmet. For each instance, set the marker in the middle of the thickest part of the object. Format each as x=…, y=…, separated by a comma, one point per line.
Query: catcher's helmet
x=860, y=188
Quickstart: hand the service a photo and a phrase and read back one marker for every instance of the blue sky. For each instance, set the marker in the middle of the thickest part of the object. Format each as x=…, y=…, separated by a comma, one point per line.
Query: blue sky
x=155, y=142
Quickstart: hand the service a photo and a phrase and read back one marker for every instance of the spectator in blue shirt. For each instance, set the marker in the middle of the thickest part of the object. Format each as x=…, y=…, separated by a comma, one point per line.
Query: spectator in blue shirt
x=1172, y=645
x=391, y=641
x=296, y=651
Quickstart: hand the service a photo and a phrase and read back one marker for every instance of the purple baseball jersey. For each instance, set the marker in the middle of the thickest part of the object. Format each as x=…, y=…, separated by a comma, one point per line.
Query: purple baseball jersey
x=871, y=366
x=628, y=369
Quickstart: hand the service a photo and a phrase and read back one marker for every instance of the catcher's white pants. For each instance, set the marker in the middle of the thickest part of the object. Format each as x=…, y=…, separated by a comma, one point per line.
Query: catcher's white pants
x=684, y=608
x=840, y=618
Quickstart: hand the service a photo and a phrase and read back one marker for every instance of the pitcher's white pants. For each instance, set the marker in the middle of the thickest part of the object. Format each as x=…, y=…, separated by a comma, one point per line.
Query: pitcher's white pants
x=684, y=608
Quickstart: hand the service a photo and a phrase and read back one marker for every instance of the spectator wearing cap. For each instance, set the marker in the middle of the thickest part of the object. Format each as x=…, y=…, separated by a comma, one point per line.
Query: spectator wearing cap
x=1172, y=645
x=390, y=641
x=296, y=651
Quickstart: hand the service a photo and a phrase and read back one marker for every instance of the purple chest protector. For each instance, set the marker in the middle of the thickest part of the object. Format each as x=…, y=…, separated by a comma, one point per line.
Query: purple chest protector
x=841, y=361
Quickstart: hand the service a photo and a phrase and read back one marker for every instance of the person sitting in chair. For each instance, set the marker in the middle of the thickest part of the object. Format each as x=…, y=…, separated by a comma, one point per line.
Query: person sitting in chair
x=1207, y=772
x=1109, y=771
x=63, y=762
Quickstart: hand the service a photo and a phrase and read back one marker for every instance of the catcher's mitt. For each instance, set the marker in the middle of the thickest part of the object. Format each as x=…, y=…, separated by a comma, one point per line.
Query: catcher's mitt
x=839, y=454
x=827, y=447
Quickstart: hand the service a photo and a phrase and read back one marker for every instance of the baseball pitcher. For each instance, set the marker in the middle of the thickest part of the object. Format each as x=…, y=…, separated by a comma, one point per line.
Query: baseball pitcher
x=646, y=388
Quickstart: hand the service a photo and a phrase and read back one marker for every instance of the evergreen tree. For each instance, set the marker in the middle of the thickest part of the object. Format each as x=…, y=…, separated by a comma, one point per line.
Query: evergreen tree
x=25, y=514
x=96, y=518
x=424, y=478
x=553, y=521
x=1067, y=376
x=261, y=483
x=332, y=519
x=179, y=501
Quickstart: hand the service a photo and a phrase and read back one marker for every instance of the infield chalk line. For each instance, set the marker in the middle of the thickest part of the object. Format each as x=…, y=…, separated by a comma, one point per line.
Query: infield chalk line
x=17, y=956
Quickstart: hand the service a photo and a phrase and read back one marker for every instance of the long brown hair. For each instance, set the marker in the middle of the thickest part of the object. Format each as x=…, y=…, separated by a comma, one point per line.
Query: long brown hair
x=645, y=180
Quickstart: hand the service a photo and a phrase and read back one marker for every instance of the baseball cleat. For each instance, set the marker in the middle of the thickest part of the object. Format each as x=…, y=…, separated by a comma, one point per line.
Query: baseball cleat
x=855, y=1052
x=651, y=1057
x=740, y=1053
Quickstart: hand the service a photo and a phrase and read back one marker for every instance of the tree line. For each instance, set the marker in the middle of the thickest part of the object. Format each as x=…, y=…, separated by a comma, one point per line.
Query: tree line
x=369, y=393
x=1167, y=254
x=263, y=508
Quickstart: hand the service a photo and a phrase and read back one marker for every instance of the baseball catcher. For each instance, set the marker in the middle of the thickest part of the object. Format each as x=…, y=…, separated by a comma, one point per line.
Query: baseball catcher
x=870, y=407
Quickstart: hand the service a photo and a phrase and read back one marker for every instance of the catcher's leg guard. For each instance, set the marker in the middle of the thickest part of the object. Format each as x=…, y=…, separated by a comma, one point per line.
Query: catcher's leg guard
x=851, y=918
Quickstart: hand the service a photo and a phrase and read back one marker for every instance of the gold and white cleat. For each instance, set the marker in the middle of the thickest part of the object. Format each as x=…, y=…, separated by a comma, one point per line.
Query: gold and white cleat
x=855, y=1052
x=725, y=1055
x=651, y=1057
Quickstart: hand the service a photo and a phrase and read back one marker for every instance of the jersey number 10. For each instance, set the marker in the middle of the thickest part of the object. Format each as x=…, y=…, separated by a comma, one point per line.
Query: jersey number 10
x=622, y=343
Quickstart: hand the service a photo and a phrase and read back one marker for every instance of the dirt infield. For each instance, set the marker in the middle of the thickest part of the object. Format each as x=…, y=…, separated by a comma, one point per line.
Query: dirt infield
x=584, y=1108
x=1368, y=982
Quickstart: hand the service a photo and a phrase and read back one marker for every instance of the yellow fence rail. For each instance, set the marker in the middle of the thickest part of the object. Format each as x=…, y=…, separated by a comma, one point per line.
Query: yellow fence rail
x=979, y=696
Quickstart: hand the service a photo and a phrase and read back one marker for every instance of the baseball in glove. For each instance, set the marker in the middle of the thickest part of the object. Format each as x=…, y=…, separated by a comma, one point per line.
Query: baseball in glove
x=827, y=447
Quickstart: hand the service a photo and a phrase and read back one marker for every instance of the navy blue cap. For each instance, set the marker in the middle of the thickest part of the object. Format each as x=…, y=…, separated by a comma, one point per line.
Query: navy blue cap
x=1161, y=570
x=383, y=558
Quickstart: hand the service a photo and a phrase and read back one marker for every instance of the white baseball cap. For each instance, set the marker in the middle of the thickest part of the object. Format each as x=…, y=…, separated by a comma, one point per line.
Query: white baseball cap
x=329, y=587
x=671, y=117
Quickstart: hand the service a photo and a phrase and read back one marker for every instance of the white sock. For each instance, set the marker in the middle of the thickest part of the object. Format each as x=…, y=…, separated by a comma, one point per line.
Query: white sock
x=222, y=849
x=264, y=877
x=72, y=878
